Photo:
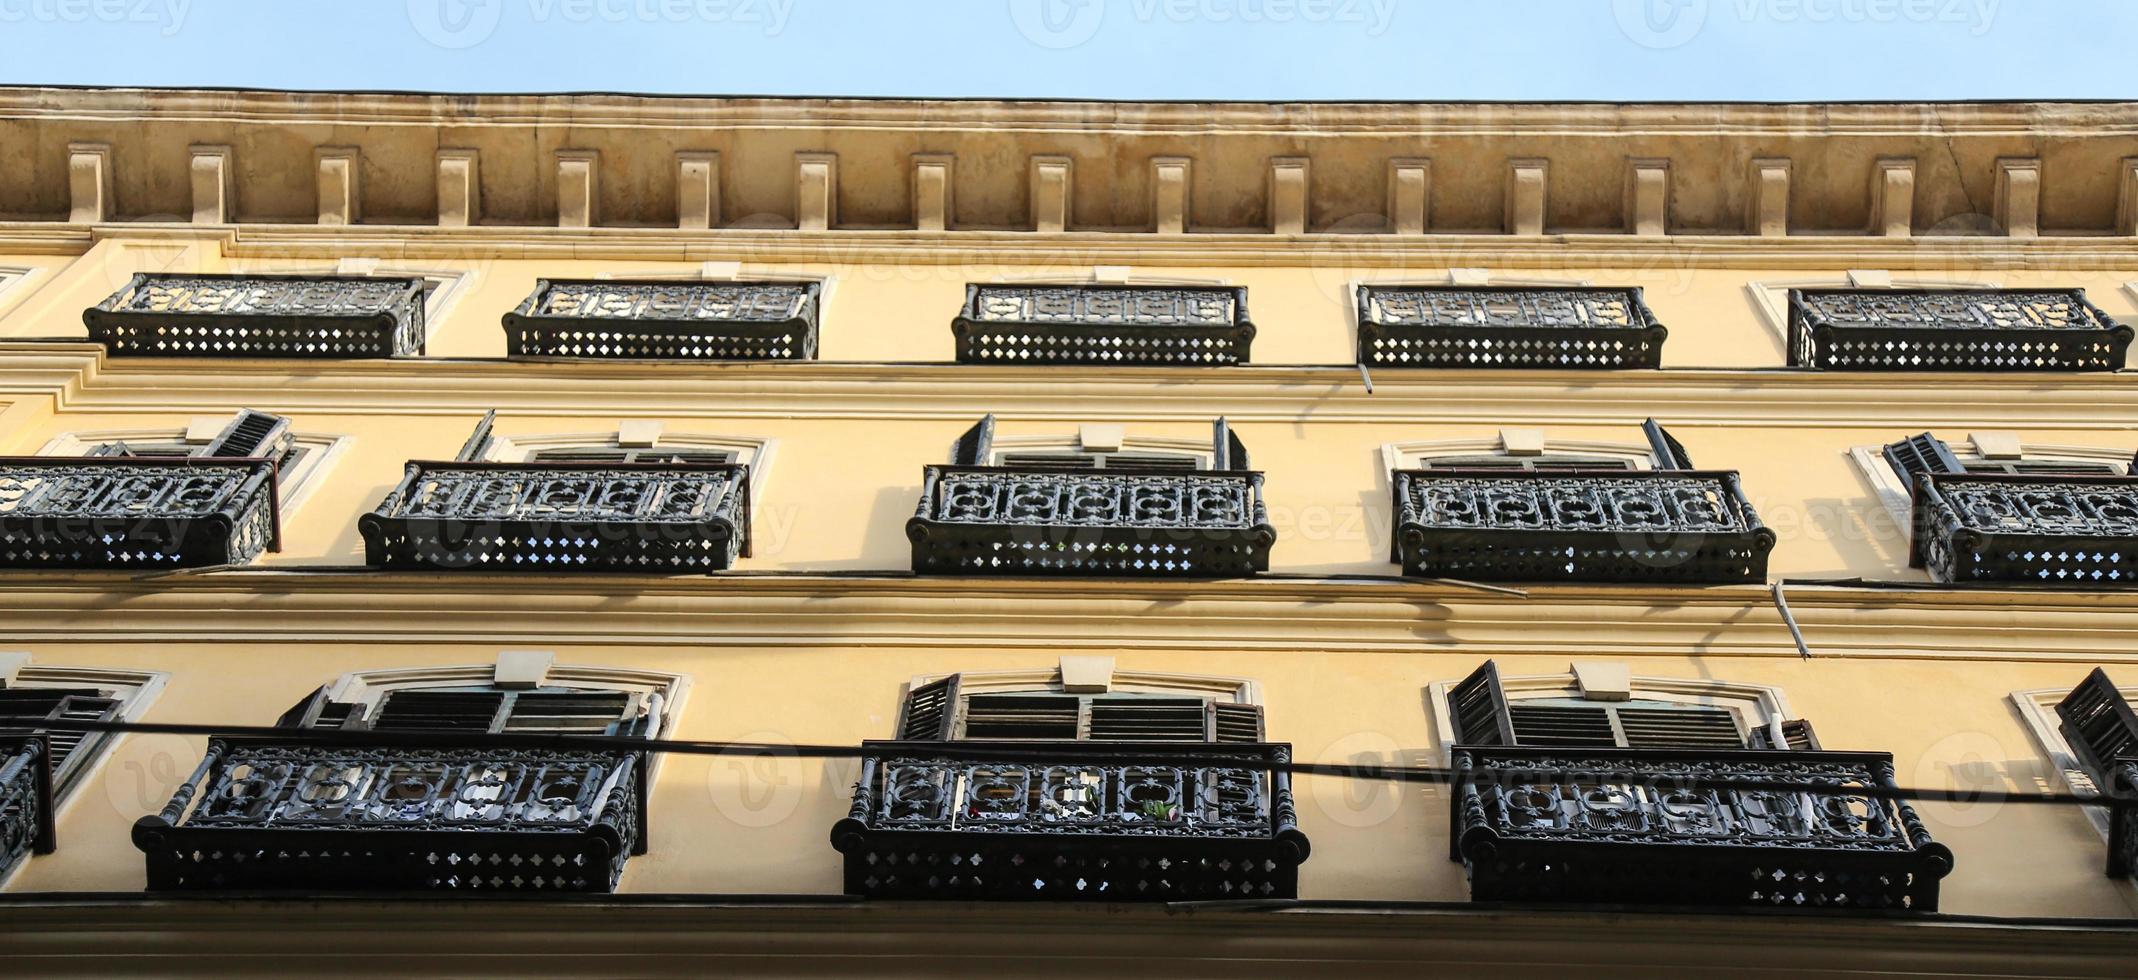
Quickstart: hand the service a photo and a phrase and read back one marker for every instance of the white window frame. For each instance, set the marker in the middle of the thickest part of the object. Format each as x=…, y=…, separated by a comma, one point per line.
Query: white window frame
x=1103, y=275
x=1899, y=500
x=369, y=687
x=1048, y=680
x=296, y=486
x=133, y=689
x=756, y=452
x=14, y=280
x=1755, y=705
x=1408, y=455
x=1074, y=445
x=2037, y=709
x=1770, y=297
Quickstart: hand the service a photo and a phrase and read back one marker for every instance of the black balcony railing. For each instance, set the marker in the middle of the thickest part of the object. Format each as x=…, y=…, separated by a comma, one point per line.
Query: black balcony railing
x=2101, y=728
x=25, y=799
x=261, y=316
x=1507, y=327
x=132, y=512
x=271, y=814
x=1104, y=325
x=2049, y=530
x=1649, y=827
x=561, y=517
x=691, y=321
x=988, y=520
x=1649, y=526
x=1072, y=821
x=1953, y=330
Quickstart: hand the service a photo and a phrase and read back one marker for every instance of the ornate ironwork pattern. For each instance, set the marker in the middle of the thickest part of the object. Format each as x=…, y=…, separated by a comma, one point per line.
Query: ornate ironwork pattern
x=1639, y=833
x=1507, y=327
x=118, y=512
x=269, y=814
x=1953, y=330
x=1072, y=822
x=633, y=517
x=981, y=520
x=1110, y=325
x=261, y=316
x=693, y=321
x=1666, y=526
x=2061, y=530
x=25, y=800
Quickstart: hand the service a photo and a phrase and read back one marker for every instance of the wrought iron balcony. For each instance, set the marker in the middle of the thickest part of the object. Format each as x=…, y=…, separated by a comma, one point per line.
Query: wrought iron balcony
x=25, y=799
x=2102, y=730
x=274, y=814
x=561, y=517
x=991, y=520
x=1650, y=526
x=261, y=316
x=1641, y=832
x=1106, y=325
x=130, y=512
x=687, y=321
x=1072, y=821
x=1507, y=327
x=2050, y=530
x=1953, y=330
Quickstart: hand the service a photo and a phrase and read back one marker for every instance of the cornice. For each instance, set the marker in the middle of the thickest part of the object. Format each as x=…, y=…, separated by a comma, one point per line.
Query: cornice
x=1289, y=614
x=1296, y=119
x=81, y=378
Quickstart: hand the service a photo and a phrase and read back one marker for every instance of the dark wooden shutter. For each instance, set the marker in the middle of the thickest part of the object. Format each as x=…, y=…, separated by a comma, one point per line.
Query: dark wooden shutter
x=252, y=434
x=1916, y=455
x=1235, y=722
x=33, y=709
x=1669, y=454
x=569, y=712
x=1226, y=450
x=1051, y=461
x=440, y=711
x=1567, y=725
x=478, y=444
x=976, y=445
x=1686, y=727
x=1130, y=719
x=1479, y=709
x=1036, y=716
x=930, y=711
x=2099, y=724
x=110, y=449
x=1797, y=736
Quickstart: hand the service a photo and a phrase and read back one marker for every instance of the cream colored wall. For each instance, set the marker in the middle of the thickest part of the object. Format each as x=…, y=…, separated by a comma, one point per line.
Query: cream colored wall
x=758, y=825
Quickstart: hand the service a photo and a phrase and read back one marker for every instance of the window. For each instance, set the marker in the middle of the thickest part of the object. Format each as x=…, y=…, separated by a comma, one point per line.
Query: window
x=302, y=457
x=1983, y=452
x=2038, y=709
x=1528, y=450
x=522, y=694
x=1549, y=463
x=1602, y=706
x=600, y=454
x=1771, y=296
x=1101, y=448
x=636, y=441
x=14, y=282
x=1127, y=461
x=1127, y=708
x=37, y=694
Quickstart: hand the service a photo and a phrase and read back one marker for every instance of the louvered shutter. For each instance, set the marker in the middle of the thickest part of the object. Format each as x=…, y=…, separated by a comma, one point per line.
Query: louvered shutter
x=2098, y=723
x=1051, y=461
x=1797, y=736
x=569, y=712
x=110, y=449
x=440, y=711
x=252, y=434
x=1236, y=722
x=976, y=445
x=478, y=444
x=1479, y=709
x=1561, y=725
x=1124, y=719
x=30, y=709
x=1048, y=716
x=1669, y=454
x=929, y=712
x=1658, y=728
x=1226, y=450
x=1916, y=455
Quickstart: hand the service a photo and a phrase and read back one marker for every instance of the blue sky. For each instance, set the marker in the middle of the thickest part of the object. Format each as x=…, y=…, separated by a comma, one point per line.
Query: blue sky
x=1119, y=49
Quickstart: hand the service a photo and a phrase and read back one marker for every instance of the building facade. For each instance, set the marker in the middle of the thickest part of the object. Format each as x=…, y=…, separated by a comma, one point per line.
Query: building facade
x=1083, y=471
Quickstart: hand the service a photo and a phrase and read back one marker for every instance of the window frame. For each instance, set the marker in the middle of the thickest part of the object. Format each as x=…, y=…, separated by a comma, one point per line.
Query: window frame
x=1756, y=705
x=1003, y=447
x=1124, y=683
x=1770, y=297
x=755, y=452
x=371, y=687
x=133, y=689
x=1412, y=455
x=2037, y=711
x=1899, y=498
x=15, y=281
x=293, y=486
